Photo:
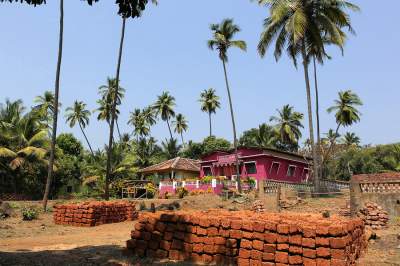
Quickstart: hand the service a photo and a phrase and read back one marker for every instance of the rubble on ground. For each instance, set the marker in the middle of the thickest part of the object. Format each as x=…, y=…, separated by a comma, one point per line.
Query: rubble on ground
x=374, y=216
x=258, y=206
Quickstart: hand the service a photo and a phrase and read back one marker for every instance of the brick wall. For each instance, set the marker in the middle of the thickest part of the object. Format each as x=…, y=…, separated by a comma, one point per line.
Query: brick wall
x=94, y=213
x=247, y=238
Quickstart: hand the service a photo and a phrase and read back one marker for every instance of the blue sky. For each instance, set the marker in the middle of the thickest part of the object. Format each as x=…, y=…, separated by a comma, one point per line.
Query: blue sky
x=166, y=50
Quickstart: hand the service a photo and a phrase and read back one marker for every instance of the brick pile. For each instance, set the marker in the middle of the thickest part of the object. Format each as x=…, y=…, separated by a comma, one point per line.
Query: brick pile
x=248, y=238
x=94, y=213
x=374, y=216
x=258, y=206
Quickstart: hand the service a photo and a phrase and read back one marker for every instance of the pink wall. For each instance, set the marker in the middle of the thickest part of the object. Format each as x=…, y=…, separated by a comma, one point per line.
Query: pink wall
x=263, y=165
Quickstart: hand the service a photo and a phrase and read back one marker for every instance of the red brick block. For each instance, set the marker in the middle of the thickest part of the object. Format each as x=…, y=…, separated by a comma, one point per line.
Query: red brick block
x=219, y=259
x=247, y=225
x=146, y=236
x=295, y=240
x=215, y=221
x=323, y=262
x=295, y=260
x=269, y=248
x=258, y=235
x=338, y=262
x=171, y=228
x=206, y=259
x=256, y=255
x=209, y=249
x=196, y=258
x=181, y=227
x=177, y=244
x=166, y=245
x=223, y=232
x=244, y=253
x=293, y=229
x=208, y=240
x=337, y=242
x=270, y=237
x=257, y=244
x=270, y=226
x=235, y=234
x=174, y=255
x=254, y=262
x=282, y=257
x=243, y=262
x=323, y=252
x=266, y=263
x=204, y=222
x=188, y=247
x=246, y=244
x=201, y=231
x=258, y=226
x=232, y=252
x=322, y=242
x=198, y=248
x=338, y=253
x=308, y=242
x=295, y=250
x=322, y=230
x=236, y=224
x=336, y=230
x=309, y=253
x=212, y=231
x=219, y=249
x=309, y=262
x=226, y=223
x=267, y=256
x=284, y=247
x=309, y=232
x=282, y=239
x=191, y=229
x=283, y=229
x=219, y=240
x=247, y=234
x=153, y=244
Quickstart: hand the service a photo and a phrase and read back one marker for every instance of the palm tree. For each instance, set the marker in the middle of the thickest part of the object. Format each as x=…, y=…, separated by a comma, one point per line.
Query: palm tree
x=181, y=125
x=351, y=139
x=79, y=114
x=288, y=125
x=127, y=9
x=222, y=40
x=164, y=107
x=149, y=115
x=45, y=107
x=298, y=26
x=170, y=148
x=146, y=151
x=137, y=120
x=263, y=137
x=209, y=103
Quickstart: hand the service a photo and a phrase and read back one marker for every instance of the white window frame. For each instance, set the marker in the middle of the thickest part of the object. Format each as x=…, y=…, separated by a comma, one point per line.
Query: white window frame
x=308, y=173
x=211, y=170
x=272, y=166
x=255, y=164
x=294, y=172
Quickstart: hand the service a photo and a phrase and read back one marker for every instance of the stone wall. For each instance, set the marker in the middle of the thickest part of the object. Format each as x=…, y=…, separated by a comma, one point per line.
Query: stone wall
x=94, y=213
x=382, y=189
x=248, y=238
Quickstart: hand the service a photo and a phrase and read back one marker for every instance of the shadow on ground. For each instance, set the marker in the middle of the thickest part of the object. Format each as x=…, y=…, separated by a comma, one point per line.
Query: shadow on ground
x=110, y=255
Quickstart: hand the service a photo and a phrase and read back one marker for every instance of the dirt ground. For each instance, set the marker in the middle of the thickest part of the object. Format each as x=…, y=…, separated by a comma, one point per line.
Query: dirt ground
x=41, y=242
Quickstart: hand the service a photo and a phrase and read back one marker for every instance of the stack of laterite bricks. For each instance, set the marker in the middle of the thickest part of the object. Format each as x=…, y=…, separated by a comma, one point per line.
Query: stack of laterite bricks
x=94, y=213
x=247, y=238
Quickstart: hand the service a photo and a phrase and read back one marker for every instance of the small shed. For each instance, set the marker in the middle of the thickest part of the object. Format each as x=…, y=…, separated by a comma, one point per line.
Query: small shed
x=175, y=169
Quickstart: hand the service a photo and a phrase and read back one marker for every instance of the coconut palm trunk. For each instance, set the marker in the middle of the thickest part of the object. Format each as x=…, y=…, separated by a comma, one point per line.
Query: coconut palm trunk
x=183, y=142
x=169, y=128
x=319, y=148
x=233, y=128
x=209, y=116
x=310, y=119
x=55, y=113
x=114, y=104
x=87, y=140
x=119, y=132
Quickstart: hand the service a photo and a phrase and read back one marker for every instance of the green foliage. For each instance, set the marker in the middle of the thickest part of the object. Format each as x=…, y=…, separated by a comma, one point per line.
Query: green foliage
x=207, y=179
x=212, y=143
x=182, y=192
x=252, y=182
x=170, y=148
x=192, y=150
x=151, y=190
x=69, y=144
x=29, y=213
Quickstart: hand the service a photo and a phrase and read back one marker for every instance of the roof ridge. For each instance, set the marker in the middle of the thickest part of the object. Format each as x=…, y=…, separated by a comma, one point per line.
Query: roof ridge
x=176, y=160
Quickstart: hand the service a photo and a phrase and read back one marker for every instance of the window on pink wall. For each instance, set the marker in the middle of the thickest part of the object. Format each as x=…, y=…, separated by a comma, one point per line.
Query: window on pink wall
x=274, y=168
x=291, y=171
x=207, y=171
x=251, y=168
x=305, y=174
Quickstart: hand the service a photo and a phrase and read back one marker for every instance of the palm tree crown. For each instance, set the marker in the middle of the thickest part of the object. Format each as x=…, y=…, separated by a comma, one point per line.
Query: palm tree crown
x=180, y=124
x=288, y=124
x=351, y=139
x=164, y=107
x=78, y=114
x=223, y=35
x=345, y=107
x=209, y=101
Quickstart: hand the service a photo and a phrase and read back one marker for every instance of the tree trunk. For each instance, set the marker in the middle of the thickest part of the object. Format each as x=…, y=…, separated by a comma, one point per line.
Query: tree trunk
x=331, y=144
x=319, y=150
x=233, y=128
x=169, y=128
x=87, y=140
x=183, y=142
x=114, y=104
x=119, y=132
x=209, y=118
x=310, y=119
x=55, y=113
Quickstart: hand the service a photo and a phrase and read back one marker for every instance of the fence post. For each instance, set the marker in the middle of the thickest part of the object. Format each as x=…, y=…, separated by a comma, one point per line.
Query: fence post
x=174, y=184
x=278, y=199
x=197, y=184
x=355, y=195
x=183, y=183
x=160, y=185
x=213, y=183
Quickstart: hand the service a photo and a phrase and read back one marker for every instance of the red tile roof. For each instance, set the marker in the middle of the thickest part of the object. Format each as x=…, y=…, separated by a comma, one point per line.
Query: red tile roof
x=176, y=164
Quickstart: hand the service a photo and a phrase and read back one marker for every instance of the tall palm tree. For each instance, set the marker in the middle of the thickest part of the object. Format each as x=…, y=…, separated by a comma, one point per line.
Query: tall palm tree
x=351, y=139
x=288, y=125
x=164, y=107
x=181, y=125
x=149, y=115
x=209, y=104
x=297, y=26
x=127, y=9
x=222, y=40
x=78, y=114
x=45, y=107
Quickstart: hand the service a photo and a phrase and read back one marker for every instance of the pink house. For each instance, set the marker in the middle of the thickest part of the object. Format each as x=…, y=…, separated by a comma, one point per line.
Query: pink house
x=261, y=164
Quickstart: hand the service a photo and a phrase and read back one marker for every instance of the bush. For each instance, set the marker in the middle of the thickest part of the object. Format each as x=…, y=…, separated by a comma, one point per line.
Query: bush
x=151, y=190
x=207, y=179
x=29, y=213
x=252, y=182
x=182, y=192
